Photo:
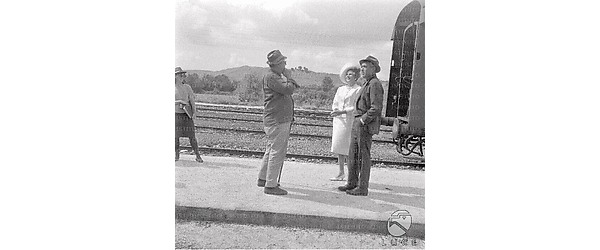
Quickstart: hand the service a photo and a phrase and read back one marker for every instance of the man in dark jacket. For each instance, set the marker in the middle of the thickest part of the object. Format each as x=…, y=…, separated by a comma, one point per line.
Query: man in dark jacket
x=367, y=120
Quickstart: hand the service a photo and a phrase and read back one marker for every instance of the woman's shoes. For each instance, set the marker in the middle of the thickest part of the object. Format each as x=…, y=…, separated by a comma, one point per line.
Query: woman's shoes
x=198, y=157
x=338, y=178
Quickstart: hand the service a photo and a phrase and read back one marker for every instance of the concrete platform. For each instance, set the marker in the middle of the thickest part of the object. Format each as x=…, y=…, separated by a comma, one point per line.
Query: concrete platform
x=224, y=189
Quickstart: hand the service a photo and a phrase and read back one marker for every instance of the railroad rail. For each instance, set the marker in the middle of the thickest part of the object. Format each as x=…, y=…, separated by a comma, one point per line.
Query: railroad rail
x=258, y=110
x=260, y=121
x=312, y=111
x=257, y=121
x=414, y=163
x=291, y=134
x=313, y=116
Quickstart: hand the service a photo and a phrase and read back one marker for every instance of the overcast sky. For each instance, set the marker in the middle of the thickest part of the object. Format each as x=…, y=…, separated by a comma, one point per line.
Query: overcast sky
x=321, y=35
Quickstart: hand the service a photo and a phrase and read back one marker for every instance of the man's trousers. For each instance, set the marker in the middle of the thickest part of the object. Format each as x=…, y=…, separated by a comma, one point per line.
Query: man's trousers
x=359, y=158
x=277, y=138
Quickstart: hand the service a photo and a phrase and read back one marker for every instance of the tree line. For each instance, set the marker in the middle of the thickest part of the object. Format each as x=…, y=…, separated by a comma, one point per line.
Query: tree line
x=211, y=83
x=222, y=83
x=249, y=89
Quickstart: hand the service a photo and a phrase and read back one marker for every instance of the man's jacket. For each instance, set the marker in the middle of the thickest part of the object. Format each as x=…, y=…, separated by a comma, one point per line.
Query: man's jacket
x=278, y=105
x=369, y=104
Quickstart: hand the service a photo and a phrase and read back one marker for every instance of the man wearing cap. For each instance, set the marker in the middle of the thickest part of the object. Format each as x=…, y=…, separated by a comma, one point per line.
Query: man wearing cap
x=367, y=120
x=278, y=87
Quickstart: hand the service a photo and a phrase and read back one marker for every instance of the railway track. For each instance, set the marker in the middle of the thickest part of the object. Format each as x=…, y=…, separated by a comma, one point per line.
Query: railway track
x=291, y=134
x=213, y=116
x=408, y=163
x=260, y=121
x=320, y=115
x=306, y=115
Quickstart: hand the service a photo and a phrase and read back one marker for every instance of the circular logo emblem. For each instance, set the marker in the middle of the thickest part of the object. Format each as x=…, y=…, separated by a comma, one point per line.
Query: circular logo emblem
x=399, y=223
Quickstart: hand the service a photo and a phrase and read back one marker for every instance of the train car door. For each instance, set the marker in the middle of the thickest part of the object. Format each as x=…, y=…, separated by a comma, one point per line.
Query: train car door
x=403, y=52
x=416, y=111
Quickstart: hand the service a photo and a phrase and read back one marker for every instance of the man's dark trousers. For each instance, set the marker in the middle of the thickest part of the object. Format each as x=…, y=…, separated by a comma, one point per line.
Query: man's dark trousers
x=359, y=160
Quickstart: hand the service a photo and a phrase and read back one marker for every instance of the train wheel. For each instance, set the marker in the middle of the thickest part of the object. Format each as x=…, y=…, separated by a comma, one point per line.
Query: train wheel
x=410, y=144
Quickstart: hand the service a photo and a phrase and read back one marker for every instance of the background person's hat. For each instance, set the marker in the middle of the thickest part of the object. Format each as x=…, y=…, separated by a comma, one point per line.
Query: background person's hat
x=178, y=70
x=345, y=69
x=373, y=60
x=275, y=57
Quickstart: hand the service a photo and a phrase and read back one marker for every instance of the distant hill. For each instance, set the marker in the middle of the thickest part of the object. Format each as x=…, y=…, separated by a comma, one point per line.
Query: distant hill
x=234, y=74
x=305, y=79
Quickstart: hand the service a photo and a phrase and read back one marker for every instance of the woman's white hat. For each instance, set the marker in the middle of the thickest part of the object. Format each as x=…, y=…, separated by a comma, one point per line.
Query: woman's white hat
x=345, y=69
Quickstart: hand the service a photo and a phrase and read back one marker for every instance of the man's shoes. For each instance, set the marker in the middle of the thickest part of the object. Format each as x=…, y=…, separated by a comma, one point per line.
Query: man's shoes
x=357, y=191
x=199, y=159
x=261, y=183
x=275, y=191
x=346, y=187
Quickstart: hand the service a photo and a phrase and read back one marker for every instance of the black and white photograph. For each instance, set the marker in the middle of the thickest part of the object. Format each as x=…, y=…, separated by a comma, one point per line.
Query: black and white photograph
x=300, y=124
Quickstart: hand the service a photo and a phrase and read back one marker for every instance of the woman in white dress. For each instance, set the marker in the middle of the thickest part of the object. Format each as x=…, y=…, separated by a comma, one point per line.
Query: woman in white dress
x=342, y=108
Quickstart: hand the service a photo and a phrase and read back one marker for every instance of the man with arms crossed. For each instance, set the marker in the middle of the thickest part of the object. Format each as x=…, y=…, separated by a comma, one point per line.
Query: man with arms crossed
x=278, y=87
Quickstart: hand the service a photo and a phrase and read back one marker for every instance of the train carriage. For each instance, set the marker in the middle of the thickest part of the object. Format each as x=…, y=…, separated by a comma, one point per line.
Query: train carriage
x=405, y=104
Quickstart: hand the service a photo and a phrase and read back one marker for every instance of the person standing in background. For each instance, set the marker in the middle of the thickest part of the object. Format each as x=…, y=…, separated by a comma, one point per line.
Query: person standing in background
x=184, y=124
